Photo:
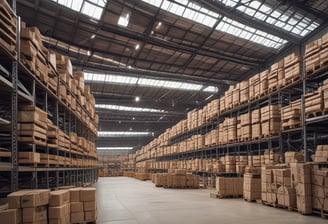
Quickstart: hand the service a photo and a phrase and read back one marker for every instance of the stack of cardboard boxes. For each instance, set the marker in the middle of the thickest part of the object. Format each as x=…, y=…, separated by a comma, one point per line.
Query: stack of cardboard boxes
x=229, y=187
x=252, y=187
x=59, y=207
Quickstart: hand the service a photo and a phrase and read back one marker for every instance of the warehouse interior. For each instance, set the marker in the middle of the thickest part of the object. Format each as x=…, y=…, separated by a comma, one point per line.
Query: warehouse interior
x=203, y=101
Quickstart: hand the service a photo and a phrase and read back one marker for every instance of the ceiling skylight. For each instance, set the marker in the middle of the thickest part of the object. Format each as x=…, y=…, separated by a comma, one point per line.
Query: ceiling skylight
x=196, y=13
x=123, y=133
x=188, y=10
x=286, y=19
x=130, y=80
x=92, y=8
x=248, y=33
x=125, y=108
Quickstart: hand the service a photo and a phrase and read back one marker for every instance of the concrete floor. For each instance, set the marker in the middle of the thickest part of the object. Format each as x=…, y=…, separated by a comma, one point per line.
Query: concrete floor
x=123, y=200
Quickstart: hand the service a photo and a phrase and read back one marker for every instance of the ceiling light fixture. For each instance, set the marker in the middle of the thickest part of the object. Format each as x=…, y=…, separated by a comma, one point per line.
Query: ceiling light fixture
x=93, y=36
x=137, y=46
x=159, y=24
x=133, y=118
x=124, y=19
x=137, y=99
x=88, y=53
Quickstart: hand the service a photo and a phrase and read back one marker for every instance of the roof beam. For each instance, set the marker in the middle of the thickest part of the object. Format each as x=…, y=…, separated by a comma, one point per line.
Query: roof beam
x=153, y=74
x=248, y=20
x=304, y=8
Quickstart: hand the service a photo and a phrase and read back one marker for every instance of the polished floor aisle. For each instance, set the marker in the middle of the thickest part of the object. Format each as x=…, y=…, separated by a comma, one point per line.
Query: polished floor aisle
x=123, y=200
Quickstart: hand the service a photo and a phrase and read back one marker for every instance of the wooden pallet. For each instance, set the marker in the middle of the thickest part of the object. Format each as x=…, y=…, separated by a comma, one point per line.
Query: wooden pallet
x=288, y=127
x=291, y=80
x=322, y=213
x=32, y=140
x=216, y=195
x=314, y=114
x=248, y=200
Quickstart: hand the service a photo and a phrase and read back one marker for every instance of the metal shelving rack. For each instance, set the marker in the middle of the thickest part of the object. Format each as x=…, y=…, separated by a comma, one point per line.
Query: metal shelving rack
x=15, y=176
x=306, y=137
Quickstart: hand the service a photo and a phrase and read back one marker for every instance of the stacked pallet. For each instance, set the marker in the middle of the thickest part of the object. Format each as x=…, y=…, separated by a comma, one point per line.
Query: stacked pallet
x=293, y=157
x=324, y=89
x=316, y=53
x=271, y=157
x=244, y=92
x=292, y=68
x=314, y=104
x=231, y=124
x=230, y=164
x=270, y=120
x=33, y=54
x=8, y=21
x=252, y=187
x=192, y=117
x=227, y=187
x=276, y=76
x=291, y=115
x=59, y=207
x=264, y=87
x=213, y=110
x=228, y=95
x=32, y=127
x=222, y=105
x=321, y=154
x=254, y=87
x=301, y=181
x=241, y=164
x=176, y=179
x=26, y=206
x=256, y=124
x=255, y=160
x=245, y=127
x=236, y=95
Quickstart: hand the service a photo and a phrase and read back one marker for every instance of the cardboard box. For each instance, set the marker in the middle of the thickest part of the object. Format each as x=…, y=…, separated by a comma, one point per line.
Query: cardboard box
x=76, y=206
x=35, y=198
x=36, y=214
x=89, y=206
x=75, y=194
x=58, y=198
x=91, y=216
x=88, y=194
x=14, y=199
x=77, y=217
x=11, y=216
x=59, y=211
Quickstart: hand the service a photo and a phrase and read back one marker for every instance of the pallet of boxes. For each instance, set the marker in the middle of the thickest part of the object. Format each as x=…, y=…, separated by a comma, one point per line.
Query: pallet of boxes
x=228, y=187
x=176, y=178
x=67, y=206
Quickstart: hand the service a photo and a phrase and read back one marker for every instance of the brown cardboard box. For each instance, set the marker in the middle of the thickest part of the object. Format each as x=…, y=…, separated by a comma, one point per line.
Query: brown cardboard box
x=12, y=216
x=91, y=216
x=77, y=217
x=36, y=214
x=35, y=198
x=76, y=206
x=14, y=199
x=59, y=211
x=75, y=194
x=88, y=194
x=89, y=206
x=58, y=198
